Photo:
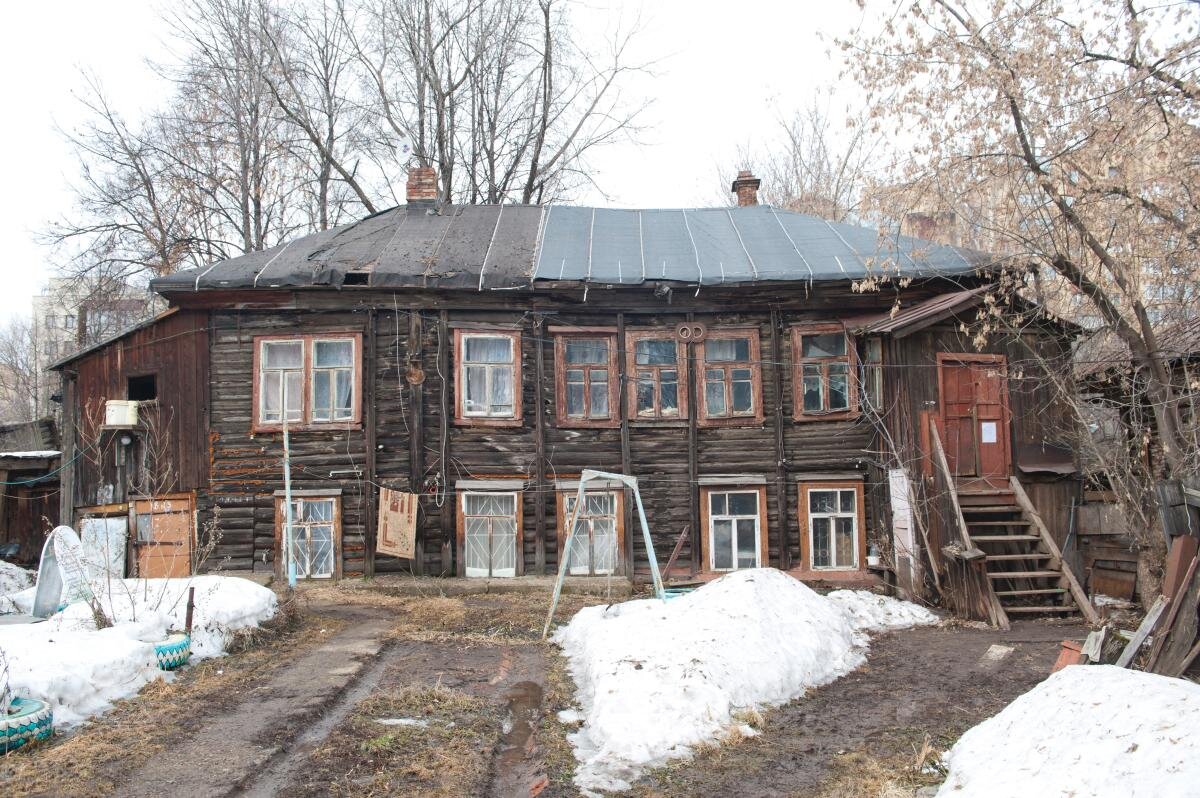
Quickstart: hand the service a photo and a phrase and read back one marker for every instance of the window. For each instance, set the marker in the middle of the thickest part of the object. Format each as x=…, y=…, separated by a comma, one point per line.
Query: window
x=872, y=373
x=488, y=378
x=831, y=522
x=586, y=379
x=824, y=382
x=489, y=529
x=315, y=535
x=310, y=380
x=659, y=375
x=735, y=527
x=598, y=531
x=143, y=388
x=732, y=377
x=69, y=321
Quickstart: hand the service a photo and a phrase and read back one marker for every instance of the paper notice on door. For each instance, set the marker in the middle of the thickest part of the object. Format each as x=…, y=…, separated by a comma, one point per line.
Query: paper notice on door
x=987, y=432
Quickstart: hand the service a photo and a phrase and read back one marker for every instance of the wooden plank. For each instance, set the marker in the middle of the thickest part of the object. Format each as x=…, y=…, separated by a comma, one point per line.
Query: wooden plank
x=448, y=514
x=1179, y=634
x=539, y=477
x=693, y=454
x=1077, y=591
x=1143, y=631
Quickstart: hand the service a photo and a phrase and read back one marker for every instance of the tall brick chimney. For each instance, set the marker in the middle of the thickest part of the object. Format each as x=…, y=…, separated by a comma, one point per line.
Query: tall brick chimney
x=422, y=188
x=746, y=188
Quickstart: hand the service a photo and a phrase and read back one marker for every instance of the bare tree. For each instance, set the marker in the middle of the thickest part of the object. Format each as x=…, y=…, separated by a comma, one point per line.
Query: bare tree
x=20, y=379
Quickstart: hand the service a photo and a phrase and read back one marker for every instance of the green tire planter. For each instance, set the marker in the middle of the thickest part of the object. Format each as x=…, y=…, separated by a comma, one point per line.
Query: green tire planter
x=173, y=652
x=28, y=720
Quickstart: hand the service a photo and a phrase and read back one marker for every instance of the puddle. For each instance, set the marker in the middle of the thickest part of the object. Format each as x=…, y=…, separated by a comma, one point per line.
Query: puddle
x=517, y=770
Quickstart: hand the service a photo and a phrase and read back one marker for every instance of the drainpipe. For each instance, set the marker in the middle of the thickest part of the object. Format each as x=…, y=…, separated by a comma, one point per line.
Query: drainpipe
x=287, y=504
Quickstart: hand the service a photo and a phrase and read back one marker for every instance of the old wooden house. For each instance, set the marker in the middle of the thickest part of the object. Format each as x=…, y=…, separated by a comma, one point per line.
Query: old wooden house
x=788, y=392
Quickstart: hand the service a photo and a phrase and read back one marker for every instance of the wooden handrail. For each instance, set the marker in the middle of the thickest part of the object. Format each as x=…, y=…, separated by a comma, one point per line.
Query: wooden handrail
x=948, y=477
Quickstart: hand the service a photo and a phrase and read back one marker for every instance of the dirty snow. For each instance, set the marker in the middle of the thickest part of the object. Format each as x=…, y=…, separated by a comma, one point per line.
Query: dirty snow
x=1095, y=730
x=655, y=679
x=13, y=578
x=81, y=670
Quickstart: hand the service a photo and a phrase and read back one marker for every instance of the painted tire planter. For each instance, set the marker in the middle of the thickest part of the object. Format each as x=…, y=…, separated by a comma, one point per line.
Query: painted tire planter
x=28, y=720
x=173, y=652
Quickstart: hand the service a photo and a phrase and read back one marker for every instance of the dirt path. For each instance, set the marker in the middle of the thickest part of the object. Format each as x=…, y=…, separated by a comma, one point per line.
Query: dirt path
x=230, y=748
x=935, y=681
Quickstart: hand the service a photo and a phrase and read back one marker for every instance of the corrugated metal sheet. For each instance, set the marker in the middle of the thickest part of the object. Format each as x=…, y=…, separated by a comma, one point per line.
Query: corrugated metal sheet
x=510, y=246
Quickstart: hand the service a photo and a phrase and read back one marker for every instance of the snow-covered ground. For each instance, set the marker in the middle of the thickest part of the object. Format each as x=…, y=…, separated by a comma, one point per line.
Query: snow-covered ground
x=13, y=578
x=81, y=670
x=655, y=679
x=1094, y=730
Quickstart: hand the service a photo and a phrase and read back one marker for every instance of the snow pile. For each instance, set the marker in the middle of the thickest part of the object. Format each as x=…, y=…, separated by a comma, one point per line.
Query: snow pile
x=657, y=678
x=81, y=670
x=1087, y=730
x=871, y=612
x=13, y=578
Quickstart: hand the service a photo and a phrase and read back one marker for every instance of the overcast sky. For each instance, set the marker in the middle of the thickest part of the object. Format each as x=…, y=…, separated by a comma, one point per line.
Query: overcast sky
x=725, y=73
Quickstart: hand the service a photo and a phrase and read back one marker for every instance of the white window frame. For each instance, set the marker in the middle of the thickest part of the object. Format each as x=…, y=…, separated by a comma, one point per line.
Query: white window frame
x=714, y=517
x=297, y=526
x=516, y=517
x=855, y=492
x=312, y=378
x=588, y=569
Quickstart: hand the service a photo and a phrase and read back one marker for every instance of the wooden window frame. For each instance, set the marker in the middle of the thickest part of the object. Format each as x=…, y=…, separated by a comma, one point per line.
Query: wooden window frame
x=798, y=363
x=631, y=368
x=460, y=416
x=561, y=337
x=754, y=364
x=802, y=489
x=336, y=498
x=706, y=527
x=307, y=342
x=461, y=521
x=619, y=492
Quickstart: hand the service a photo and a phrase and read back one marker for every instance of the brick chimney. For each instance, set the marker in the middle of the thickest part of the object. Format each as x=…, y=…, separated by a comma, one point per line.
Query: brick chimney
x=746, y=188
x=422, y=188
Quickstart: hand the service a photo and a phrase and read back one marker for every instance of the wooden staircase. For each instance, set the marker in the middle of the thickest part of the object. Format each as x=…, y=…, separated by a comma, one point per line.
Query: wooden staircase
x=1023, y=563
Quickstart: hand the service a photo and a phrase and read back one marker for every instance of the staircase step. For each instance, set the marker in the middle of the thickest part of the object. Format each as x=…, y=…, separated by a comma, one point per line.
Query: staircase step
x=1025, y=575
x=1002, y=538
x=980, y=509
x=1012, y=522
x=1054, y=608
x=1041, y=591
x=1031, y=556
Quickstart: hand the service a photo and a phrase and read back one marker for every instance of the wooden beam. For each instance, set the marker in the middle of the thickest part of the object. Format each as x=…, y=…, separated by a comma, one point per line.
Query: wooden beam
x=626, y=459
x=539, y=445
x=449, y=507
x=1077, y=591
x=1143, y=631
x=693, y=454
x=782, y=515
x=370, y=436
x=66, y=477
x=416, y=426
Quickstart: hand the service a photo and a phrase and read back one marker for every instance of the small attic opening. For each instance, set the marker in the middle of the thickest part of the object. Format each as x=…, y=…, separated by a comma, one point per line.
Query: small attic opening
x=143, y=388
x=356, y=278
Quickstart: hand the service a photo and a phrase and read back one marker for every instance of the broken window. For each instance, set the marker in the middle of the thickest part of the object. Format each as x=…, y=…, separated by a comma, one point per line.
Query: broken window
x=659, y=374
x=824, y=379
x=586, y=377
x=143, y=388
x=832, y=515
x=597, y=532
x=735, y=528
x=488, y=375
x=490, y=524
x=312, y=380
x=732, y=383
x=314, y=535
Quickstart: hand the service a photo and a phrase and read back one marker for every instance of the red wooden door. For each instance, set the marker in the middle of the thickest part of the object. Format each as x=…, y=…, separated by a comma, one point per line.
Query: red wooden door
x=975, y=417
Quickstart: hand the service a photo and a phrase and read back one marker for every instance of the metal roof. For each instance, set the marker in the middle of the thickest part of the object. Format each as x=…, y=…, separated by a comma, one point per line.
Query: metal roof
x=513, y=246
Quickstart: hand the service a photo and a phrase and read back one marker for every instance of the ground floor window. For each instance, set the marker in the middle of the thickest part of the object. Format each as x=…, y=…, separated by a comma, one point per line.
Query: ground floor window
x=734, y=527
x=832, y=524
x=597, y=541
x=315, y=535
x=490, y=527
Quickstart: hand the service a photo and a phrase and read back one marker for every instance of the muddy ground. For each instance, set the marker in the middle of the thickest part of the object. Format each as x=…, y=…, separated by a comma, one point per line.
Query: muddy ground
x=438, y=696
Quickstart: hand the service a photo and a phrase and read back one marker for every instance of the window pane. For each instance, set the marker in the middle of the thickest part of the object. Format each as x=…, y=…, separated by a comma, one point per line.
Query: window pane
x=502, y=390
x=820, y=543
x=746, y=544
x=645, y=394
x=574, y=398
x=321, y=397
x=814, y=398
x=345, y=393
x=844, y=541
x=271, y=395
x=839, y=387
x=474, y=503
x=293, y=382
x=655, y=352
x=599, y=389
x=847, y=501
x=743, y=504
x=283, y=354
x=743, y=396
x=714, y=395
x=577, y=562
x=317, y=510
x=588, y=350
x=716, y=503
x=599, y=504
x=669, y=393
x=722, y=544
x=504, y=547
x=727, y=350
x=487, y=349
x=823, y=345
x=333, y=353
x=476, y=399
x=604, y=546
x=574, y=375
x=476, y=554
x=822, y=501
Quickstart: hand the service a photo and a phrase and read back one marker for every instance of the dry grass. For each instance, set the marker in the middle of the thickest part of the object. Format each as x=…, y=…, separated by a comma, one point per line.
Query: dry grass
x=861, y=775
x=448, y=757
x=93, y=760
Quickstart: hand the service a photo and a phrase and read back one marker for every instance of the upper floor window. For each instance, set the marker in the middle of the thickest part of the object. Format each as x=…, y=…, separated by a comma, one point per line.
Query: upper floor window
x=488, y=378
x=586, y=378
x=309, y=380
x=824, y=381
x=732, y=390
x=659, y=375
